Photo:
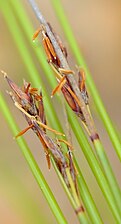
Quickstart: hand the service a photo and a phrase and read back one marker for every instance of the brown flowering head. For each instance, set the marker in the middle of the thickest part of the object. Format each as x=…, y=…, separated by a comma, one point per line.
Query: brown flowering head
x=30, y=103
x=27, y=98
x=62, y=74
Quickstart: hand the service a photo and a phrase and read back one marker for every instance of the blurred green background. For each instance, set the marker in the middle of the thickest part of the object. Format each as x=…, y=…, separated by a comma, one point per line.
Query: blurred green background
x=97, y=28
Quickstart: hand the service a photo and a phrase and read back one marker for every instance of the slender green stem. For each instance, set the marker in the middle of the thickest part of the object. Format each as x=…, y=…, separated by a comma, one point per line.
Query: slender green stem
x=108, y=171
x=93, y=163
x=74, y=193
x=93, y=90
x=32, y=164
x=88, y=200
x=82, y=216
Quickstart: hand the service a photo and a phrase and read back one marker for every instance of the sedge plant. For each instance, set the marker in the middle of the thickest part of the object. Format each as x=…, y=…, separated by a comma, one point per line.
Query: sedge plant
x=106, y=181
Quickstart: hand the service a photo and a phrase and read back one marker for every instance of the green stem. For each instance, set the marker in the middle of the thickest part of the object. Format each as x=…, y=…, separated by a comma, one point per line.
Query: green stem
x=32, y=164
x=83, y=219
x=81, y=214
x=72, y=188
x=93, y=163
x=92, y=88
x=87, y=198
x=108, y=171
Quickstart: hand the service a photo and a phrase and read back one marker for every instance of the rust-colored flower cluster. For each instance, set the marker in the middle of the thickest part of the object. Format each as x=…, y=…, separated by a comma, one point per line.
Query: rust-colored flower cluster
x=61, y=74
x=30, y=103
